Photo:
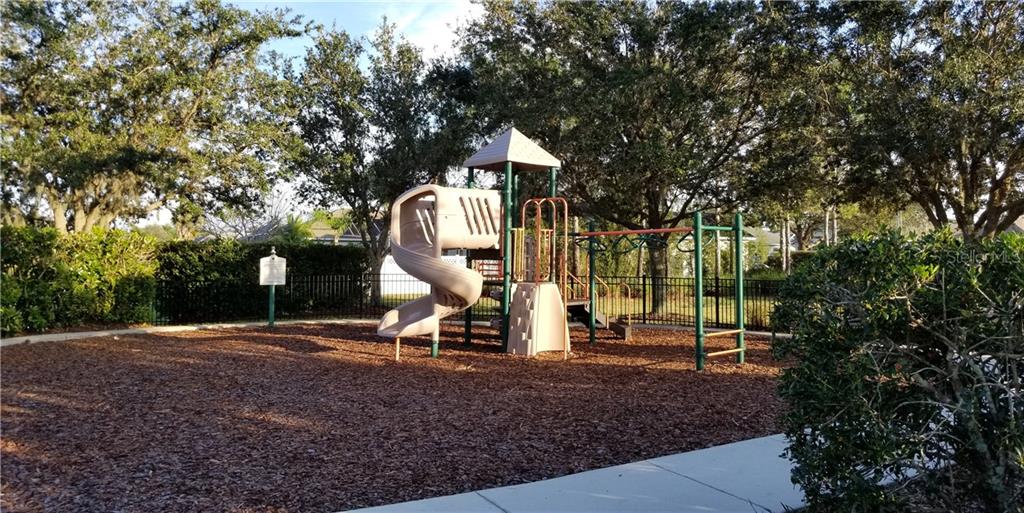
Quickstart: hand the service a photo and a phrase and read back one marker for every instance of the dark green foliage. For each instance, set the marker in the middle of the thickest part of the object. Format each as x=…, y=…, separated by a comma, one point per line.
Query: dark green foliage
x=765, y=274
x=774, y=262
x=28, y=274
x=112, y=276
x=223, y=260
x=99, y=276
x=219, y=280
x=105, y=104
x=908, y=356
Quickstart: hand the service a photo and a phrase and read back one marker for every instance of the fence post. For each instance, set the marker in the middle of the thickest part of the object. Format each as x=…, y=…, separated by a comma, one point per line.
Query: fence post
x=643, y=296
x=718, y=295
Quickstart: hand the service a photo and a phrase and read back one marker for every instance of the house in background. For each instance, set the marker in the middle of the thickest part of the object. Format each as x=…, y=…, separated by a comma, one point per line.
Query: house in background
x=325, y=233
x=1017, y=226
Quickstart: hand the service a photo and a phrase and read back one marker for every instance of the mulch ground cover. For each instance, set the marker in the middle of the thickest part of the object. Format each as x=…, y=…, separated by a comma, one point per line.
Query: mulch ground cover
x=320, y=418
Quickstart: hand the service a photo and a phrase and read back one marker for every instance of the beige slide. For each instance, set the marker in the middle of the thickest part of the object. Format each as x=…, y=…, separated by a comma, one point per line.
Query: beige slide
x=425, y=221
x=537, y=320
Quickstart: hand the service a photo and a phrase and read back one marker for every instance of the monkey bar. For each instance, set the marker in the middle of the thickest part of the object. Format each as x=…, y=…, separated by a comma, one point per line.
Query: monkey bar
x=697, y=231
x=635, y=232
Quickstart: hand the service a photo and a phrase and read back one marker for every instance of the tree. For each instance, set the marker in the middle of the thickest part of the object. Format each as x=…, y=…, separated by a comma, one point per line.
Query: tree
x=652, y=107
x=937, y=88
x=161, y=232
x=115, y=109
x=256, y=222
x=293, y=231
x=338, y=222
x=367, y=136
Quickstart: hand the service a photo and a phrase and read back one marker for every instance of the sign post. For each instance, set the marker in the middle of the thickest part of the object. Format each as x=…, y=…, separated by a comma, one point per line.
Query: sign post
x=272, y=274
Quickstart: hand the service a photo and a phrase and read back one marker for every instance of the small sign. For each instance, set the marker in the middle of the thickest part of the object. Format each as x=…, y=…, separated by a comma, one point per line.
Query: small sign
x=272, y=270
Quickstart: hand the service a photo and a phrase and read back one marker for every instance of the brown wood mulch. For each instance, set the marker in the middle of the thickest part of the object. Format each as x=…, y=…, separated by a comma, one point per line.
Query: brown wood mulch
x=319, y=418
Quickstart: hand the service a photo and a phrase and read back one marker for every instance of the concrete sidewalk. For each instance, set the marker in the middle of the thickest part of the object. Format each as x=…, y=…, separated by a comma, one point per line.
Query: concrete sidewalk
x=743, y=477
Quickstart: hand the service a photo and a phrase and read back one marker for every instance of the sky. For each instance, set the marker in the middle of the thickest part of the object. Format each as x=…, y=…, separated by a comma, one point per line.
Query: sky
x=428, y=24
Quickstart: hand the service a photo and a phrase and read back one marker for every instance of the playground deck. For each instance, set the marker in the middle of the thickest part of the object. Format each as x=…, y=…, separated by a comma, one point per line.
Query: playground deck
x=319, y=417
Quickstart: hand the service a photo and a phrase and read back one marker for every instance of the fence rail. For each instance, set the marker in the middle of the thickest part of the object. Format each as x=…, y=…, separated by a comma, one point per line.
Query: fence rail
x=643, y=299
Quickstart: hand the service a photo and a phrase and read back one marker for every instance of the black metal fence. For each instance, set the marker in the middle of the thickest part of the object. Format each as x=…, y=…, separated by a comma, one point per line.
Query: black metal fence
x=667, y=301
x=670, y=301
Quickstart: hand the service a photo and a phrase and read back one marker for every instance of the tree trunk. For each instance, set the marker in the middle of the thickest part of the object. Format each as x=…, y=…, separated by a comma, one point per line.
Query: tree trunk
x=826, y=239
x=640, y=261
x=376, y=263
x=60, y=217
x=658, y=265
x=783, y=245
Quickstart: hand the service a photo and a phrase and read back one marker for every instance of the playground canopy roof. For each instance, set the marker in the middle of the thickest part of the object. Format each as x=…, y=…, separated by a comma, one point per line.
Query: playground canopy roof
x=512, y=146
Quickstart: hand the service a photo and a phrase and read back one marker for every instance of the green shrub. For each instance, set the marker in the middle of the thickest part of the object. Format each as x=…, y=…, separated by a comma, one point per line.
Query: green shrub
x=27, y=288
x=10, y=318
x=219, y=280
x=106, y=274
x=50, y=281
x=222, y=260
x=909, y=356
x=797, y=257
x=113, y=276
x=765, y=274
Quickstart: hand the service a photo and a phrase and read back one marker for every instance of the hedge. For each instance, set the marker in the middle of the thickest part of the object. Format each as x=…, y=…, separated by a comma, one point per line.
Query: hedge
x=909, y=357
x=113, y=276
x=52, y=281
x=224, y=260
x=219, y=281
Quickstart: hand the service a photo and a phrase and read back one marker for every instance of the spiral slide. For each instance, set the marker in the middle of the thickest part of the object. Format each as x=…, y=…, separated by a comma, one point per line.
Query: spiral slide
x=425, y=221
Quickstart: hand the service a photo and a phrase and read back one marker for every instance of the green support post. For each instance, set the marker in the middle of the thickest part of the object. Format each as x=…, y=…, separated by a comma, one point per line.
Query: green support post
x=738, y=246
x=698, y=287
x=467, y=337
x=506, y=256
x=270, y=306
x=592, y=265
x=552, y=190
x=515, y=198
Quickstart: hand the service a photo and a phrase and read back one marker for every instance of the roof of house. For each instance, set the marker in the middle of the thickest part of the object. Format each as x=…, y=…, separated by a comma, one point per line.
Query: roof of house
x=1017, y=226
x=512, y=146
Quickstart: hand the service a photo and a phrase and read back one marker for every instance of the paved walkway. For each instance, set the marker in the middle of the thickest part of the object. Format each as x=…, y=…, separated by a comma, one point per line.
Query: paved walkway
x=743, y=477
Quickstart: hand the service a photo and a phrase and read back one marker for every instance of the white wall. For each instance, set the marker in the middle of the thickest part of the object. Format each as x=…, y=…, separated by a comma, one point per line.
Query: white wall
x=396, y=281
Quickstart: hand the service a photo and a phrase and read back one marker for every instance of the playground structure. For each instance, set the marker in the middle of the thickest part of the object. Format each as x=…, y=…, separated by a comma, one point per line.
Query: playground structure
x=469, y=220
x=526, y=255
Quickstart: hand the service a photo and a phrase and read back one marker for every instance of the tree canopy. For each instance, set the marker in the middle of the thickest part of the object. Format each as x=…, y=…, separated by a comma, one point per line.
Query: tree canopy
x=115, y=109
x=370, y=134
x=936, y=89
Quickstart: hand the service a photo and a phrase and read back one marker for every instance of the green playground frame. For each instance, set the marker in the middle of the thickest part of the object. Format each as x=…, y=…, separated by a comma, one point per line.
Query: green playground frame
x=509, y=199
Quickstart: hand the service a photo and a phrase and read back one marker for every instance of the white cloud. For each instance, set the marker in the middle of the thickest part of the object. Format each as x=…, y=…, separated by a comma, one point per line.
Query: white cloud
x=432, y=25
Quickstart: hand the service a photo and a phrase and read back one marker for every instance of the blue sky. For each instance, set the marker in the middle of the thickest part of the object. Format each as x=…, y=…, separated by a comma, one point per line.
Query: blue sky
x=429, y=24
